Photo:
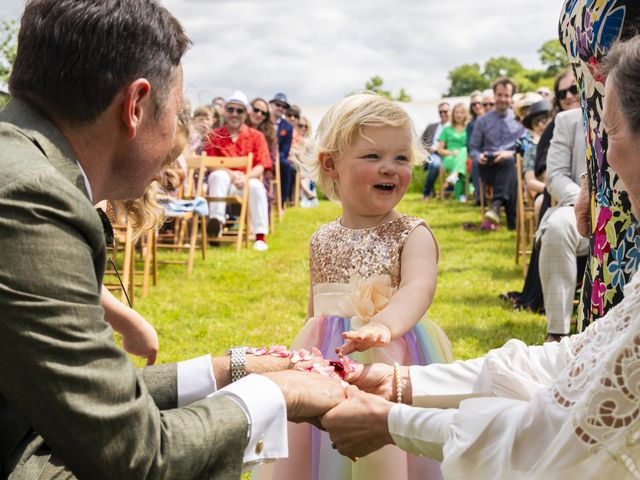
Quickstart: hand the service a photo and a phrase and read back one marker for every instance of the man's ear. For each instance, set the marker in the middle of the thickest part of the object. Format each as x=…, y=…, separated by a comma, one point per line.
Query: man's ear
x=136, y=103
x=328, y=164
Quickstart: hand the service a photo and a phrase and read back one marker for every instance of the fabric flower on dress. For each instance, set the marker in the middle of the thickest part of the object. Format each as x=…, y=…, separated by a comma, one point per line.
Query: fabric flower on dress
x=369, y=296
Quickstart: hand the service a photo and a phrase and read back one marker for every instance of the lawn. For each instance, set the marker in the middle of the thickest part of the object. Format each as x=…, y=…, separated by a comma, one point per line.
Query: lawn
x=258, y=299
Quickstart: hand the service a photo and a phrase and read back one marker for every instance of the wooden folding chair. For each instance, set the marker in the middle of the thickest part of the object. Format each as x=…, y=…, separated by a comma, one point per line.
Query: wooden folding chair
x=275, y=184
x=185, y=224
x=525, y=219
x=443, y=185
x=233, y=231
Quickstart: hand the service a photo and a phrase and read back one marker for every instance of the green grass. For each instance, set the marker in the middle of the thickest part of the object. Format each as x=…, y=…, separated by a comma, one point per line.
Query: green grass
x=256, y=298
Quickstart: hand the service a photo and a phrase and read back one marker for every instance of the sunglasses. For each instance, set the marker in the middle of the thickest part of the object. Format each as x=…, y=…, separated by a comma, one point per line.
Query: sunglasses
x=475, y=104
x=302, y=125
x=257, y=110
x=488, y=104
x=443, y=112
x=239, y=111
x=562, y=94
x=293, y=115
x=278, y=104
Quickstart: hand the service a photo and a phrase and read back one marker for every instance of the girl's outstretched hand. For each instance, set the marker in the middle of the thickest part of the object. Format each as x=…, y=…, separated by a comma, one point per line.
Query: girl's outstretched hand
x=373, y=334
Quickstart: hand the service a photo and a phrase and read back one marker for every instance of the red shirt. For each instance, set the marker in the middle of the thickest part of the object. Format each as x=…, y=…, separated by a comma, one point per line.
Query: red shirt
x=220, y=144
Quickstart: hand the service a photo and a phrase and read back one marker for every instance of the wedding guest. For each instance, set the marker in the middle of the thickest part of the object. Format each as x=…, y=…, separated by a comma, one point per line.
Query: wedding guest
x=284, y=133
x=71, y=402
x=364, y=157
x=430, y=141
x=563, y=99
x=476, y=110
x=203, y=122
x=452, y=148
x=236, y=139
x=260, y=119
x=492, y=146
x=612, y=260
x=560, y=410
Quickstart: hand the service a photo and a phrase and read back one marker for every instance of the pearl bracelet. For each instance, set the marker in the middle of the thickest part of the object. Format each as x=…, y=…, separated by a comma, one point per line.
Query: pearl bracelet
x=398, y=382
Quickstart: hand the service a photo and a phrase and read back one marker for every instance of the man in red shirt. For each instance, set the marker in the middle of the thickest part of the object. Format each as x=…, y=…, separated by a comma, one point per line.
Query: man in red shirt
x=236, y=139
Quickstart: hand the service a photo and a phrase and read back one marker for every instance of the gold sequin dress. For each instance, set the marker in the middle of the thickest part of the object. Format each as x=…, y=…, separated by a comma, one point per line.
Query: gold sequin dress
x=344, y=261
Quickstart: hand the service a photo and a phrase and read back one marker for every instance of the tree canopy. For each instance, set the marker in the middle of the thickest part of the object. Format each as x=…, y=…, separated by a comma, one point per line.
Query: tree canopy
x=470, y=76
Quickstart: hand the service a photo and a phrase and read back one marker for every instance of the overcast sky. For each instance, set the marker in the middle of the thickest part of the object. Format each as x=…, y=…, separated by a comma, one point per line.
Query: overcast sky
x=317, y=51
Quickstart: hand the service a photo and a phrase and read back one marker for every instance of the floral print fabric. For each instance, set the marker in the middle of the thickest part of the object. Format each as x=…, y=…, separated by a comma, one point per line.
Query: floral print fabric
x=588, y=28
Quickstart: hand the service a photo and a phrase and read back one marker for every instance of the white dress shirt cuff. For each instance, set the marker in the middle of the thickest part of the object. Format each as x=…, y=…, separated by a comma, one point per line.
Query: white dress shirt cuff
x=266, y=411
x=422, y=431
x=195, y=380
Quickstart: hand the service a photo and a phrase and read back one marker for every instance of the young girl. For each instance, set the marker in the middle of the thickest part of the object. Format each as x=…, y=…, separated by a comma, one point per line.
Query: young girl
x=373, y=274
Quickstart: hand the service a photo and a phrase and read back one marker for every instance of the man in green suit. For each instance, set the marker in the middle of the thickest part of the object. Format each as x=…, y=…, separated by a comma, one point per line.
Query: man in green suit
x=96, y=90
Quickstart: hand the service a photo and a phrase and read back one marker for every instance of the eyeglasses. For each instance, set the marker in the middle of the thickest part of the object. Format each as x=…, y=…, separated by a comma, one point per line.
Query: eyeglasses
x=488, y=104
x=239, y=111
x=443, y=112
x=257, y=110
x=562, y=94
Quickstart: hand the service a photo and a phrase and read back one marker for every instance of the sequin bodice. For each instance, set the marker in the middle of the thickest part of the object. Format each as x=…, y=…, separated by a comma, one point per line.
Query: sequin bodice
x=337, y=253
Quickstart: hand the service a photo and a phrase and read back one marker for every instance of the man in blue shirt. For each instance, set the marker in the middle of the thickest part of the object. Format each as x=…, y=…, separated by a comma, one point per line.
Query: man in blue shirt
x=492, y=145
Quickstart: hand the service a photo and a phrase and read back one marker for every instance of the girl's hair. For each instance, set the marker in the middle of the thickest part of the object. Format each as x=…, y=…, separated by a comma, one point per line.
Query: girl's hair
x=466, y=114
x=203, y=110
x=144, y=213
x=309, y=129
x=340, y=125
x=266, y=125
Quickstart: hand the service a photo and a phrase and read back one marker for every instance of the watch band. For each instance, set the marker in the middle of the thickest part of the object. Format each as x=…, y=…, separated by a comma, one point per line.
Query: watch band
x=238, y=363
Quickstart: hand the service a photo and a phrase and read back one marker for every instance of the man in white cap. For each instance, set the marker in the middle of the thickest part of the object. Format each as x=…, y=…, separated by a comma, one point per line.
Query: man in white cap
x=236, y=139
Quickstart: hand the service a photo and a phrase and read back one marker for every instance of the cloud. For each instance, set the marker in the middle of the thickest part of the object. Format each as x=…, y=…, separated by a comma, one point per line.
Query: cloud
x=318, y=51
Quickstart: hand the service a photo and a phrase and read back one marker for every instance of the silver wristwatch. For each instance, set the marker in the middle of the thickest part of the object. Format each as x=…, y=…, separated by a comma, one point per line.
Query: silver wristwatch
x=238, y=362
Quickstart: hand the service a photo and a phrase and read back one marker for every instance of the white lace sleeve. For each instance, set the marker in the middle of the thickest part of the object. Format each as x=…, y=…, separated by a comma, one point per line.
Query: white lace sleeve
x=584, y=424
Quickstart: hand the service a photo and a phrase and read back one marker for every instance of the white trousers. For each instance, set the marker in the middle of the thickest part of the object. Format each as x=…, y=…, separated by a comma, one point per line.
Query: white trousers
x=560, y=246
x=220, y=185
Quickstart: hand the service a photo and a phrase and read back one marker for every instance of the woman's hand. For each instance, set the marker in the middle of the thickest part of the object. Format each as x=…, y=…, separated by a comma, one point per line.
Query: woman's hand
x=373, y=334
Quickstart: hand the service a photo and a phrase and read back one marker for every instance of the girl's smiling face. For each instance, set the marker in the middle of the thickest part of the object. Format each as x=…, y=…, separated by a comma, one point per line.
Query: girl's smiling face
x=373, y=175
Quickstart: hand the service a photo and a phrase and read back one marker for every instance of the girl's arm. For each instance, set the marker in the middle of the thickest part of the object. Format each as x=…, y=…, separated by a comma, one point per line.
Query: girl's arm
x=418, y=269
x=139, y=338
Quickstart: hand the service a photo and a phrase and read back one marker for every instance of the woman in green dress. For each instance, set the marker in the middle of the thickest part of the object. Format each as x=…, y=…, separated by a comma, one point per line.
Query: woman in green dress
x=452, y=147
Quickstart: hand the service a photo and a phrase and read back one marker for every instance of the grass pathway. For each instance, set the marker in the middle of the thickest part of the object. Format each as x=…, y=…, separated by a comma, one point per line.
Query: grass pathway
x=260, y=298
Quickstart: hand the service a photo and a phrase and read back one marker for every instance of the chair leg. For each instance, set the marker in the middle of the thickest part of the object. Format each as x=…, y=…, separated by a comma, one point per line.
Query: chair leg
x=192, y=244
x=296, y=200
x=147, y=263
x=154, y=240
x=203, y=238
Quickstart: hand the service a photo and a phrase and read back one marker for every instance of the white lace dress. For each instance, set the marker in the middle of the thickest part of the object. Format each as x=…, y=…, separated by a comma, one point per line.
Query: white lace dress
x=557, y=411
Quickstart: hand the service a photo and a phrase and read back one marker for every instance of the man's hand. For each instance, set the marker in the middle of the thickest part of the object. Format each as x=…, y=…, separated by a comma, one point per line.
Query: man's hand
x=582, y=210
x=483, y=159
x=502, y=156
x=306, y=394
x=237, y=179
x=358, y=426
x=373, y=334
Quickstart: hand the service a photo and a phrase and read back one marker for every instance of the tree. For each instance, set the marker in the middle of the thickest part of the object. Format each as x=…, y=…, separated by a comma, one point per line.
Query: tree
x=553, y=56
x=465, y=79
x=501, y=67
x=469, y=77
x=375, y=85
x=8, y=47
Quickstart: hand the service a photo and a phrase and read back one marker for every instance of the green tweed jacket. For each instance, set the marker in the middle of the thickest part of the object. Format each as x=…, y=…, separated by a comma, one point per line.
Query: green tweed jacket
x=71, y=403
